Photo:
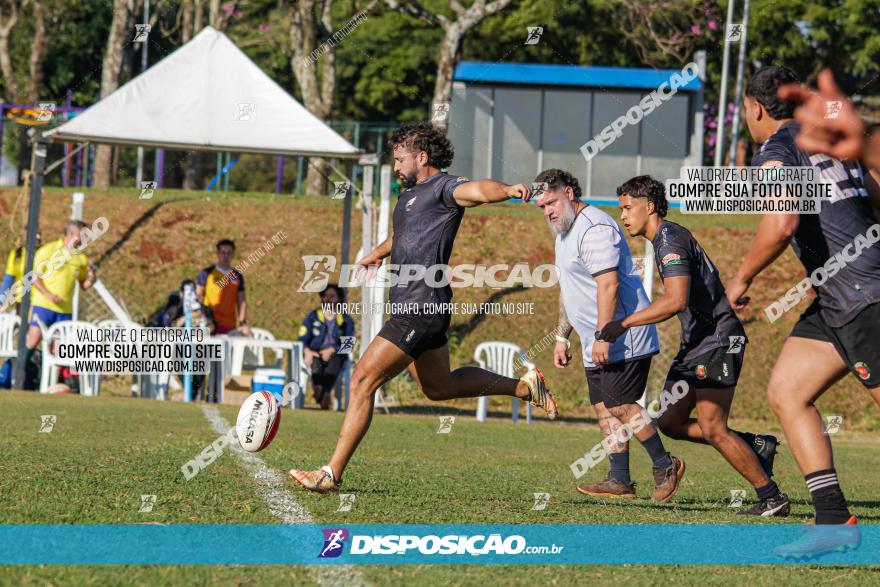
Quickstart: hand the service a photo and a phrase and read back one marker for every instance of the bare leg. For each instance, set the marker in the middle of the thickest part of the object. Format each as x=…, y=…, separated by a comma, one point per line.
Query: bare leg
x=610, y=426
x=34, y=336
x=713, y=409
x=626, y=412
x=381, y=362
x=792, y=392
x=438, y=383
x=676, y=422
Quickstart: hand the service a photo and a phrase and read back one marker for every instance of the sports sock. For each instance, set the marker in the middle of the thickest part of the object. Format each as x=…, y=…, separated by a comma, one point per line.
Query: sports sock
x=768, y=491
x=620, y=467
x=657, y=452
x=748, y=437
x=827, y=497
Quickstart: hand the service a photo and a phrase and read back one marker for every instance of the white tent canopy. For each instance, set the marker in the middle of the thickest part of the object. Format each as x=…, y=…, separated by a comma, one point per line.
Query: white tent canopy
x=206, y=96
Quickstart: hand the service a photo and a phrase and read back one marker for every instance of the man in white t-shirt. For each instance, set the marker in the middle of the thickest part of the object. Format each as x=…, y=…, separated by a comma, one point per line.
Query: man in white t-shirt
x=598, y=284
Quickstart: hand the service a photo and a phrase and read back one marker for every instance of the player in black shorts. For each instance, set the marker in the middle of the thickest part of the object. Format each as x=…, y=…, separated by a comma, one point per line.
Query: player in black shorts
x=426, y=220
x=838, y=333
x=713, y=343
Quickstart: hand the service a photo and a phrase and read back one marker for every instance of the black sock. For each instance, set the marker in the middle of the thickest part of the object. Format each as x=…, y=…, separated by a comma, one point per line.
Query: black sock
x=658, y=454
x=768, y=491
x=748, y=437
x=827, y=497
x=620, y=467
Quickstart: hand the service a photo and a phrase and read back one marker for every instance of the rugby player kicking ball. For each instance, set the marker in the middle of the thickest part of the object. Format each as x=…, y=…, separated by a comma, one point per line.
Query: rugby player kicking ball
x=425, y=222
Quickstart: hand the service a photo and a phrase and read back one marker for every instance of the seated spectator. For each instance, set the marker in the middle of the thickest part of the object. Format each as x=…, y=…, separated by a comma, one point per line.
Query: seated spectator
x=202, y=316
x=321, y=333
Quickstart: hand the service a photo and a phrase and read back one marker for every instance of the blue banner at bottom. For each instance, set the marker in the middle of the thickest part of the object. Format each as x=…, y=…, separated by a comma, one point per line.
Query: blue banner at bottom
x=438, y=544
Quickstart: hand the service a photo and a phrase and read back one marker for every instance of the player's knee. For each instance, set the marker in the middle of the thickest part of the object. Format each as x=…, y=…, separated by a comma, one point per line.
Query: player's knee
x=775, y=397
x=362, y=383
x=714, y=431
x=433, y=392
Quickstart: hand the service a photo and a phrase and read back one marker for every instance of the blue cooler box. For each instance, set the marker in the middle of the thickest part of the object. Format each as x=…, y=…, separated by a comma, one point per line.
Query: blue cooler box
x=271, y=380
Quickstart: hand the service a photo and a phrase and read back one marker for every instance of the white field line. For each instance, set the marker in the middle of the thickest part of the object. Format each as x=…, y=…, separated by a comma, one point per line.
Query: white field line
x=273, y=489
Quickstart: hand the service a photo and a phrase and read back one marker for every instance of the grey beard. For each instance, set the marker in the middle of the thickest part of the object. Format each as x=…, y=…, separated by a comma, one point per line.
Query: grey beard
x=565, y=221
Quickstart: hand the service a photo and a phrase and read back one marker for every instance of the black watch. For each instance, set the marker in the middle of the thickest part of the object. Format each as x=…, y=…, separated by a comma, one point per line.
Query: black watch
x=598, y=336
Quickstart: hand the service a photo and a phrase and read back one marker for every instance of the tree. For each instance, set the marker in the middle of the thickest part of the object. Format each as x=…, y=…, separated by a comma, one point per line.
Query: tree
x=314, y=67
x=9, y=19
x=454, y=31
x=667, y=32
x=110, y=70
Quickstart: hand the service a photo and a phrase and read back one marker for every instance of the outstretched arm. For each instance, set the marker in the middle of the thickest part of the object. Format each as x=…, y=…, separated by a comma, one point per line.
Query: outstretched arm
x=673, y=301
x=774, y=234
x=488, y=191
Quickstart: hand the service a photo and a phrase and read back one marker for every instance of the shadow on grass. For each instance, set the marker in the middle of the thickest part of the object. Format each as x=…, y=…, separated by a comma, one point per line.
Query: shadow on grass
x=140, y=221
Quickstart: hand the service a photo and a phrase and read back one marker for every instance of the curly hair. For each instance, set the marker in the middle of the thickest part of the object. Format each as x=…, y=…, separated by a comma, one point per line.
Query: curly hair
x=559, y=179
x=764, y=83
x=423, y=136
x=645, y=186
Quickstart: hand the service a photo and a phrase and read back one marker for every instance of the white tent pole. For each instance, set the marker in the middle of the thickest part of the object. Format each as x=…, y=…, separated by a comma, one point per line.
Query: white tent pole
x=381, y=235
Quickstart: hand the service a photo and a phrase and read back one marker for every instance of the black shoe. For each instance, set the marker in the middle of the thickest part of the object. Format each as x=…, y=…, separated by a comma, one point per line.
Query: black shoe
x=775, y=506
x=764, y=446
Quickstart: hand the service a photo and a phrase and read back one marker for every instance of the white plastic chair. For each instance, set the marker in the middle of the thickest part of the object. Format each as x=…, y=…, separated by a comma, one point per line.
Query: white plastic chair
x=254, y=355
x=137, y=381
x=8, y=325
x=500, y=357
x=65, y=329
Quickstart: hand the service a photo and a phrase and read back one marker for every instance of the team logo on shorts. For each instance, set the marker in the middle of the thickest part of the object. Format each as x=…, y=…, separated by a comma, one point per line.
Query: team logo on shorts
x=862, y=370
x=700, y=371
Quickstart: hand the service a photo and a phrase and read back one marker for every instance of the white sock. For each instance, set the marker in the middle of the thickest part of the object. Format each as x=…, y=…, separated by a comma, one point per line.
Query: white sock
x=329, y=471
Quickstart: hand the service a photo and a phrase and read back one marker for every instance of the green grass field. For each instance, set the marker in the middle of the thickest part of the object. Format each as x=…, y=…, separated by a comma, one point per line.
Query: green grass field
x=105, y=452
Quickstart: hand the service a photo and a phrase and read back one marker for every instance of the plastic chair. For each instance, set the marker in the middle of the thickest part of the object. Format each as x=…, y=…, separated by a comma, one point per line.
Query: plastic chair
x=51, y=362
x=8, y=325
x=254, y=355
x=500, y=357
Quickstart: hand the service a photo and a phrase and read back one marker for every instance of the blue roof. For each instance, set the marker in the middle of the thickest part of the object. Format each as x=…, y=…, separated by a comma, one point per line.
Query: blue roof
x=587, y=76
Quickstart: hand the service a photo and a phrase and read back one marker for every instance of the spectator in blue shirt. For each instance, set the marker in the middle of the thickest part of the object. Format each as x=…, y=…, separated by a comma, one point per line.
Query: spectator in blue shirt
x=321, y=334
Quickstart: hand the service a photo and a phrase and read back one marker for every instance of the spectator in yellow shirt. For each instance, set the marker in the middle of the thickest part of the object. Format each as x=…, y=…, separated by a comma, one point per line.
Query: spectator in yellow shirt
x=15, y=271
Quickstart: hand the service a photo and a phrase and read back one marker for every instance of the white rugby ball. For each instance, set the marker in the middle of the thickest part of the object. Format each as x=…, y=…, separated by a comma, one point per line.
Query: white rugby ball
x=258, y=421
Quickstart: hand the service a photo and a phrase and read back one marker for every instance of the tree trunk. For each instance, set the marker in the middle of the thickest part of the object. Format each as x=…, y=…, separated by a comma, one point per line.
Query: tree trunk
x=318, y=99
x=449, y=51
x=39, y=48
x=109, y=82
x=199, y=22
x=7, y=23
